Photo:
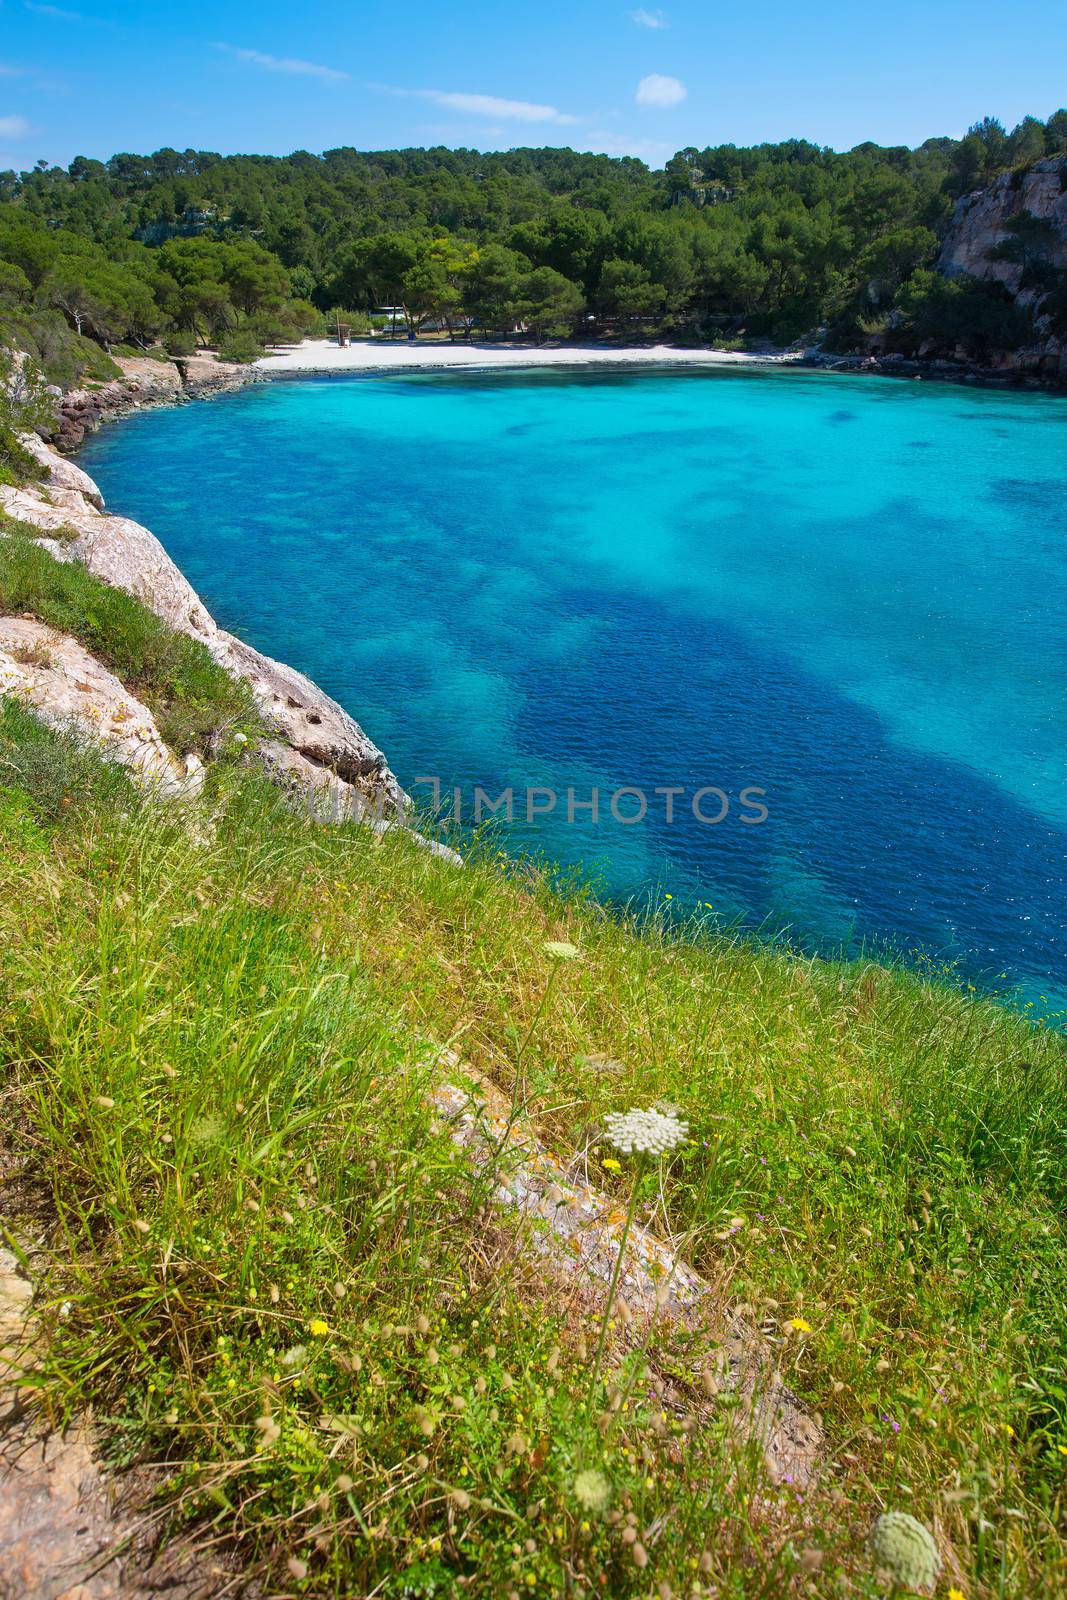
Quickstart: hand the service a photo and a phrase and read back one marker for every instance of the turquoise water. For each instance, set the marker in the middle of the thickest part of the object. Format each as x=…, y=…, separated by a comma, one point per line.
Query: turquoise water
x=849, y=593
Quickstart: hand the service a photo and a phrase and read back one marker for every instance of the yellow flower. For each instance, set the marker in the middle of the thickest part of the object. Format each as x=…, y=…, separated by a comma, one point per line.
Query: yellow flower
x=611, y=1164
x=956, y=1594
x=1062, y=1448
x=317, y=1328
x=799, y=1325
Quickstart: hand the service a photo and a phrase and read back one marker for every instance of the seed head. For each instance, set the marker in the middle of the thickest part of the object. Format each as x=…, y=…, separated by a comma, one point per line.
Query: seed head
x=906, y=1549
x=592, y=1490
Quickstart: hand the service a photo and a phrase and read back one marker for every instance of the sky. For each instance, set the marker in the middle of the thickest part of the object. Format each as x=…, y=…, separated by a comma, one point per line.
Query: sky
x=95, y=77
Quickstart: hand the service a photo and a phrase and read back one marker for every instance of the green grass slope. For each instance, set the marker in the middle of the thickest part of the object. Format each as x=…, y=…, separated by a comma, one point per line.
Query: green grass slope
x=274, y=1274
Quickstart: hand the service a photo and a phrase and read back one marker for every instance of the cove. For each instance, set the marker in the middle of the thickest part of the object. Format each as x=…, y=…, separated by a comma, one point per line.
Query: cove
x=849, y=593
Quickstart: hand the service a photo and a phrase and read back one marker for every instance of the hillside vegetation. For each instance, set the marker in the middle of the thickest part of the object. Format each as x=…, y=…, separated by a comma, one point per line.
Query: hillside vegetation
x=724, y=243
x=273, y=1271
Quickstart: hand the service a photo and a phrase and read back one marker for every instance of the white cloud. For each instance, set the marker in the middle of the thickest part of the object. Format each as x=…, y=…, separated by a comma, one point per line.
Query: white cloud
x=649, y=19
x=307, y=69
x=483, y=105
x=659, y=90
x=13, y=127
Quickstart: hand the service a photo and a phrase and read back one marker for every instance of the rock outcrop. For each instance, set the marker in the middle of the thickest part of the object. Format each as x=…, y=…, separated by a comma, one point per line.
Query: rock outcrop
x=981, y=221
x=68, y=688
x=128, y=556
x=1015, y=233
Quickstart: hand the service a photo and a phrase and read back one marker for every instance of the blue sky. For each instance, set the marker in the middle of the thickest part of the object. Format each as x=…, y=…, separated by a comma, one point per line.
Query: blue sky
x=92, y=77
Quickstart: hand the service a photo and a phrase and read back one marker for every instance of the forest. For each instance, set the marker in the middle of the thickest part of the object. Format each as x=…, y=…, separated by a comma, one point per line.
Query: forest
x=725, y=245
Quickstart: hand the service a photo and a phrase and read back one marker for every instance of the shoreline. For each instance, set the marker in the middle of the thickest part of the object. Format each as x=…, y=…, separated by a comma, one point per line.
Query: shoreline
x=323, y=356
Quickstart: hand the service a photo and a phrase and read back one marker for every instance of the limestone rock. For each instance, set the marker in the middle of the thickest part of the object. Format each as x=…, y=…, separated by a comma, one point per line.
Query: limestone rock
x=205, y=374
x=312, y=723
x=68, y=688
x=330, y=799
x=980, y=222
x=63, y=475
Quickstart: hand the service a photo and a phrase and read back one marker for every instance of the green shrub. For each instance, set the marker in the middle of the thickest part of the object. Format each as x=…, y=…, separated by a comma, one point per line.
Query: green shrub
x=241, y=345
x=64, y=357
x=180, y=344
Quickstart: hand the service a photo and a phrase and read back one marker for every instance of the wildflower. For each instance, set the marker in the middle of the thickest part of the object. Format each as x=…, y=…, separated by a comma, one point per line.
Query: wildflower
x=105, y=1101
x=640, y=1555
x=646, y=1133
x=956, y=1594
x=799, y=1325
x=560, y=950
x=611, y=1165
x=592, y=1490
x=343, y=1483
x=295, y=1356
x=298, y=1569
x=318, y=1329
x=906, y=1549
x=460, y=1499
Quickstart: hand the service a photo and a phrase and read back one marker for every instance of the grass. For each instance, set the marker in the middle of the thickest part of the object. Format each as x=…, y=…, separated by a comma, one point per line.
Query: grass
x=191, y=697
x=274, y=1275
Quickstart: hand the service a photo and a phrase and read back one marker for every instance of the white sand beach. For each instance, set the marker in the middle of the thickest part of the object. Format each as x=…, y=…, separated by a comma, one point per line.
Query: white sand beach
x=387, y=355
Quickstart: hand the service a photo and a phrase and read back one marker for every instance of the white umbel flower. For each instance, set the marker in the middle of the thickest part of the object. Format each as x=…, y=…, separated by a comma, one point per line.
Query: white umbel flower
x=646, y=1133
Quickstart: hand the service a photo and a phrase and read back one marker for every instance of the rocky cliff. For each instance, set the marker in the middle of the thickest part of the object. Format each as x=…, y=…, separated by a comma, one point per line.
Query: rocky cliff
x=1015, y=233
x=982, y=223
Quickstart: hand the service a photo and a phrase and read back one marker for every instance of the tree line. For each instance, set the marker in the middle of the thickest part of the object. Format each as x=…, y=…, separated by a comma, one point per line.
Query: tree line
x=177, y=249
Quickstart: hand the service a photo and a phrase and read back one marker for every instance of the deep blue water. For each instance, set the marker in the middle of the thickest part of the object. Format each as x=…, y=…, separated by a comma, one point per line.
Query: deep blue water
x=850, y=593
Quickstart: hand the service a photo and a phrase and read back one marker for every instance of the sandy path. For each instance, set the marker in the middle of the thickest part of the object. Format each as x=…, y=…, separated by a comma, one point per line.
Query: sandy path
x=378, y=355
